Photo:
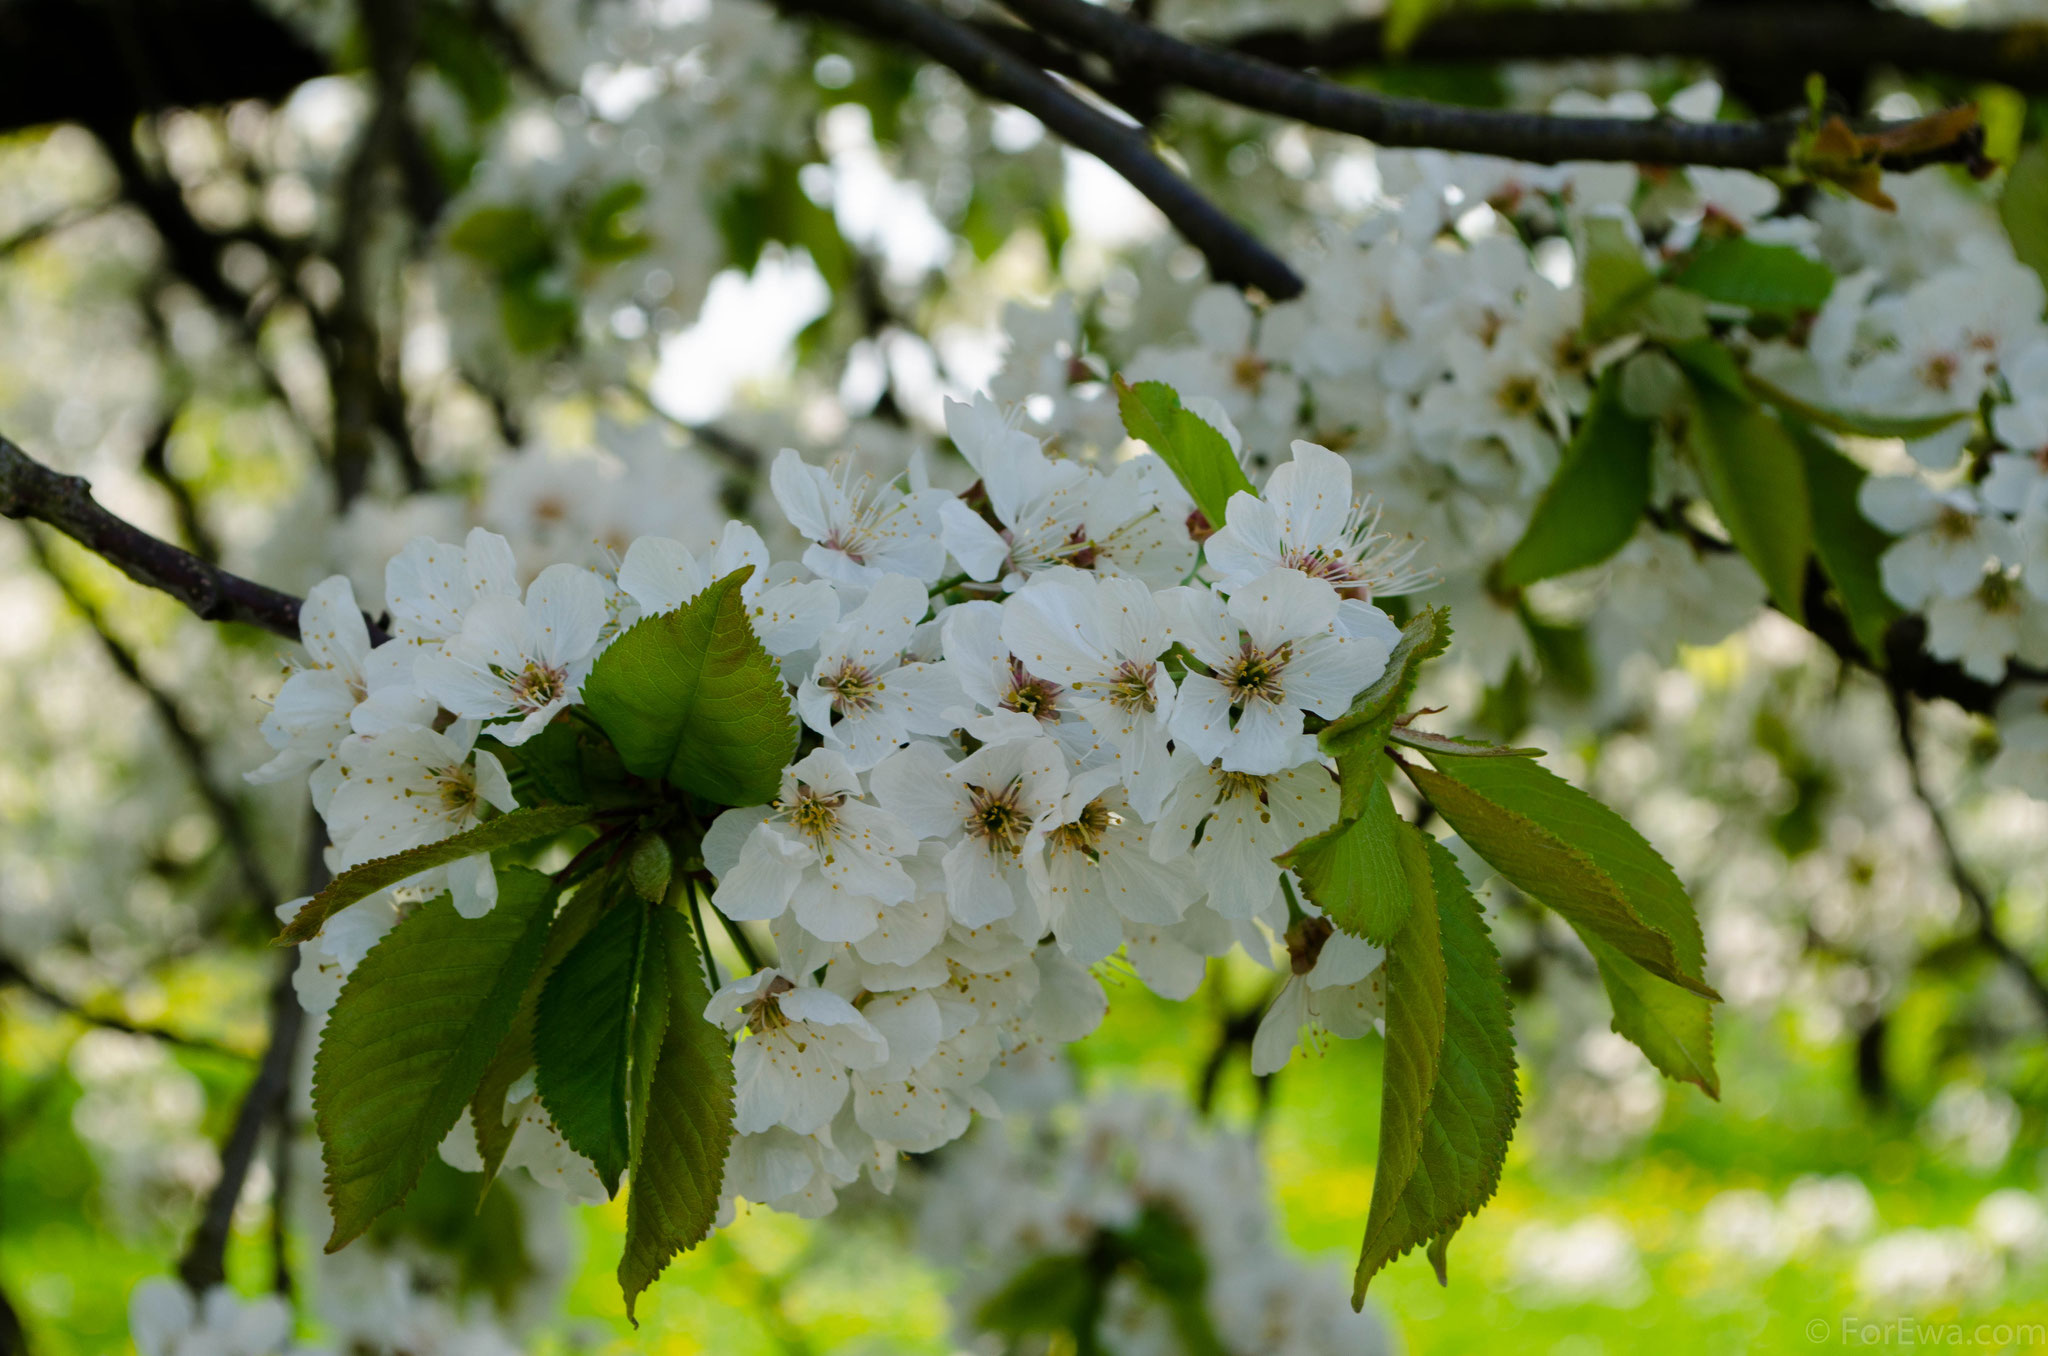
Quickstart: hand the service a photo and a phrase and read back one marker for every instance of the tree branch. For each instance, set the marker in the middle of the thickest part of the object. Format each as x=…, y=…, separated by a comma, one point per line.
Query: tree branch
x=29, y=489
x=1972, y=891
x=13, y=973
x=54, y=58
x=1731, y=36
x=1135, y=50
x=227, y=814
x=391, y=29
x=1234, y=255
x=204, y=1264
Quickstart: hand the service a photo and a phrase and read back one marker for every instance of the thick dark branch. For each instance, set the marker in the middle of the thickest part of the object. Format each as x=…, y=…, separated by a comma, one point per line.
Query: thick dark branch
x=1972, y=891
x=1730, y=36
x=13, y=973
x=1136, y=50
x=1234, y=255
x=29, y=489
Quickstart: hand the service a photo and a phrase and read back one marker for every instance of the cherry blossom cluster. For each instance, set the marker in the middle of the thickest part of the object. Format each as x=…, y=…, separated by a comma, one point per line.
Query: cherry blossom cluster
x=1050, y=718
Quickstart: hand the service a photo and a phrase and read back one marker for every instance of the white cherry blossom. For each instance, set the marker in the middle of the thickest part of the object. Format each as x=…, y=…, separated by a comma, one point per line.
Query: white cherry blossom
x=822, y=849
x=1274, y=652
x=1100, y=641
x=520, y=664
x=1307, y=519
x=1246, y=821
x=860, y=531
x=861, y=695
x=1335, y=983
x=411, y=786
x=430, y=586
x=994, y=807
x=316, y=708
x=791, y=1070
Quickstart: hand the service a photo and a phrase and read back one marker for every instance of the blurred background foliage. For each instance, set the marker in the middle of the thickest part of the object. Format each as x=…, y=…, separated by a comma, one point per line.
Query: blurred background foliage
x=1879, y=1147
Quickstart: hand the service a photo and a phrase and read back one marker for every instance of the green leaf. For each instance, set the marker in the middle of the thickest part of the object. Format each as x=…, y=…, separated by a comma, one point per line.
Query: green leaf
x=688, y=1122
x=1652, y=888
x=1416, y=985
x=1739, y=271
x=607, y=231
x=1352, y=871
x=1550, y=869
x=1709, y=361
x=1671, y=1026
x=650, y=1029
x=1372, y=712
x=507, y=830
x=514, y=1056
x=466, y=60
x=1592, y=505
x=1197, y=454
x=1473, y=1103
x=1756, y=481
x=583, y=1036
x=1857, y=422
x=506, y=240
x=690, y=695
x=537, y=316
x=2023, y=207
x=1846, y=543
x=1614, y=278
x=1623, y=296
x=410, y=1037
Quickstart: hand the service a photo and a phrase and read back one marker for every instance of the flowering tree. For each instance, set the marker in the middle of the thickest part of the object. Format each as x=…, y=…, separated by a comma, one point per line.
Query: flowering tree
x=1195, y=443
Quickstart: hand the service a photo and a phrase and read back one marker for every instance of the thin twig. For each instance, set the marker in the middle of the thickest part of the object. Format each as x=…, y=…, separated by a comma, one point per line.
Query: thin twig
x=1972, y=890
x=1135, y=49
x=1234, y=255
x=29, y=489
x=13, y=973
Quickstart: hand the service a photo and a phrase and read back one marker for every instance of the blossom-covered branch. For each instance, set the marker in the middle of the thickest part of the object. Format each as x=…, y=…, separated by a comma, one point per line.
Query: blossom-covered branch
x=1134, y=48
x=29, y=489
x=1234, y=255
